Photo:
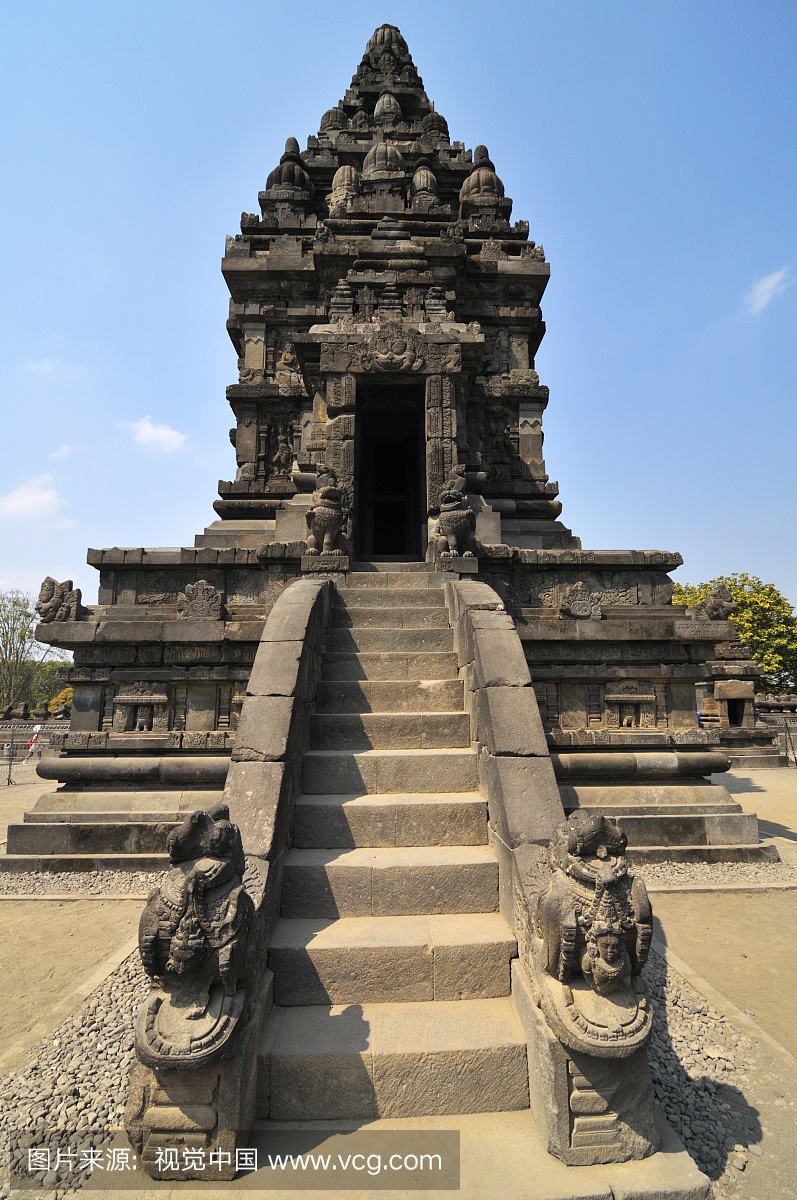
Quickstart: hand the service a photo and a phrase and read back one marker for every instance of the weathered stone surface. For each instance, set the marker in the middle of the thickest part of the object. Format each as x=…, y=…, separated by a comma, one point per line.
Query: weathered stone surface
x=507, y=721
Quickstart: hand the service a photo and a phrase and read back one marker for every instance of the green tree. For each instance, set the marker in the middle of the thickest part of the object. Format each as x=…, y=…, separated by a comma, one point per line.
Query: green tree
x=764, y=620
x=23, y=660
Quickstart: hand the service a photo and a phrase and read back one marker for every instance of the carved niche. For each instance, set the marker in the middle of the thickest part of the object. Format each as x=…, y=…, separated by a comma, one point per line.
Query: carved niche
x=140, y=708
x=630, y=704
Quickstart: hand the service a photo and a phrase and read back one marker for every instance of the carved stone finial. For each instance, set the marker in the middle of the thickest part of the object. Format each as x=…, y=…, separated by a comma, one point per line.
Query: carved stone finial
x=58, y=601
x=717, y=606
x=199, y=602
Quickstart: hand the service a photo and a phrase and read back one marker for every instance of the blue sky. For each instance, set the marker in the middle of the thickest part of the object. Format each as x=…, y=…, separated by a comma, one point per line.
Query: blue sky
x=651, y=146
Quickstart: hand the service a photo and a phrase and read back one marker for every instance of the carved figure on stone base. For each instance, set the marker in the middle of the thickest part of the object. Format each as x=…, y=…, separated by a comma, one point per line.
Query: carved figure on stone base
x=326, y=521
x=194, y=940
x=717, y=606
x=58, y=601
x=456, y=524
x=591, y=936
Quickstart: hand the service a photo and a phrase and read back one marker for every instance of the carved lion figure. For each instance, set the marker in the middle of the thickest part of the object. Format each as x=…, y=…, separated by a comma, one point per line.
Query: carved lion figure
x=325, y=522
x=456, y=524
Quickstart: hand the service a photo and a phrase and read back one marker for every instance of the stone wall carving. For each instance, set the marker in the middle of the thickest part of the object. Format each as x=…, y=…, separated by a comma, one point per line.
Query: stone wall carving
x=199, y=602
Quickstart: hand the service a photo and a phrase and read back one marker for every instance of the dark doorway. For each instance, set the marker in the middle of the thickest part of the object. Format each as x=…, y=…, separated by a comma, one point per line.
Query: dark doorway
x=390, y=506
x=736, y=712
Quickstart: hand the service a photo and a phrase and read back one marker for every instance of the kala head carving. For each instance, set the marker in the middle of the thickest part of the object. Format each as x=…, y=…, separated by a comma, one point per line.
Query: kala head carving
x=194, y=940
x=591, y=936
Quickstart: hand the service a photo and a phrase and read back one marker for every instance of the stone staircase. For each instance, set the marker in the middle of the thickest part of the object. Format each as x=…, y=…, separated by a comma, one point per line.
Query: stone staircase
x=391, y=961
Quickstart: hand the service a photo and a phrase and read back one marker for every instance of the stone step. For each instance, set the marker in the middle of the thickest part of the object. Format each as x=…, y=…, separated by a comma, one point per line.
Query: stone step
x=389, y=731
x=52, y=864
x=389, y=667
x=398, y=575
x=89, y=837
x=411, y=695
x=336, y=771
x=392, y=1060
x=390, y=641
x=359, y=960
x=751, y=853
x=373, y=597
x=757, y=762
x=393, y=616
x=391, y=819
x=390, y=881
x=618, y=812
x=725, y=829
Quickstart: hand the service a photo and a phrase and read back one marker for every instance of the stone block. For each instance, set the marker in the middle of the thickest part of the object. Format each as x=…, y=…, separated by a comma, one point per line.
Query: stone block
x=498, y=659
x=259, y=796
x=328, y=563
x=327, y=773
x=440, y=822
x=86, y=708
x=201, y=715
x=323, y=883
x=731, y=829
x=470, y=595
x=441, y=1059
x=277, y=669
x=425, y=770
x=523, y=799
x=407, y=881
x=264, y=728
x=547, y=1060
x=507, y=721
x=321, y=1065
x=459, y=565
x=734, y=689
x=337, y=823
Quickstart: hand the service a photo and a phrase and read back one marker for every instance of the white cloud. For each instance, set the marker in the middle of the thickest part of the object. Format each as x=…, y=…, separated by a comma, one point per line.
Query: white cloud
x=34, y=498
x=53, y=368
x=62, y=452
x=763, y=290
x=160, y=439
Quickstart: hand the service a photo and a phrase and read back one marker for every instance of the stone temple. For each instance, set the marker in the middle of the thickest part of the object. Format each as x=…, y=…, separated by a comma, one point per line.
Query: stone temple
x=404, y=734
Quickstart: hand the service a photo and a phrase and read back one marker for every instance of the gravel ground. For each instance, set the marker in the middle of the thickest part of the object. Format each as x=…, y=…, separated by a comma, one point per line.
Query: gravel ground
x=84, y=883
x=701, y=1066
x=70, y=1093
x=722, y=873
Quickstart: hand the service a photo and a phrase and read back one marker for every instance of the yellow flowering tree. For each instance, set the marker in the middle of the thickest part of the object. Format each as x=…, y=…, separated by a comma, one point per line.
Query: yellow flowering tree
x=764, y=620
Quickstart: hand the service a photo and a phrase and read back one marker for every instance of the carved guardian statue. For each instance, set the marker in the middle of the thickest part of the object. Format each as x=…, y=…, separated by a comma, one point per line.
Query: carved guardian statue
x=325, y=522
x=592, y=931
x=456, y=524
x=194, y=940
x=201, y=940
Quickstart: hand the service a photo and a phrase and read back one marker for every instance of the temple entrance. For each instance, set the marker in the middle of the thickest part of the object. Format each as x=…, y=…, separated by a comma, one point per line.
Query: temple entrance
x=390, y=506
